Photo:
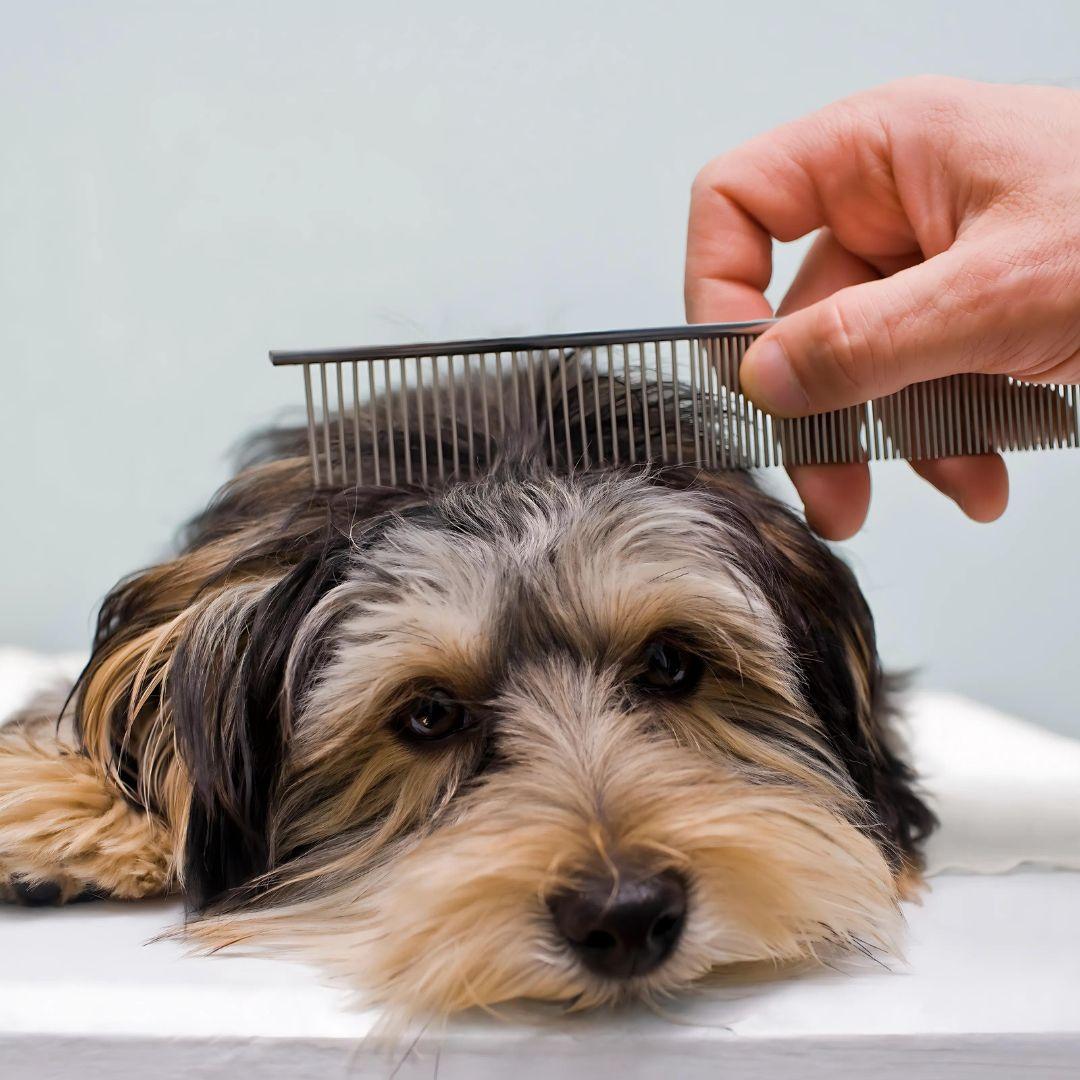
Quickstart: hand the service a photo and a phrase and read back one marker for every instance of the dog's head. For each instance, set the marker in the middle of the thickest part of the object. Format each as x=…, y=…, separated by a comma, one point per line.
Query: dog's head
x=570, y=737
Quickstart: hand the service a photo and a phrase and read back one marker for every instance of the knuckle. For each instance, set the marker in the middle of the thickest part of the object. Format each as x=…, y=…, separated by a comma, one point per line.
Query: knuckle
x=705, y=180
x=937, y=104
x=933, y=85
x=1023, y=280
x=927, y=88
x=1007, y=279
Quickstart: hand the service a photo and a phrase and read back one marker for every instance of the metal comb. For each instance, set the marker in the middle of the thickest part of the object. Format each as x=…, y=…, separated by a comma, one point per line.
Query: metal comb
x=426, y=413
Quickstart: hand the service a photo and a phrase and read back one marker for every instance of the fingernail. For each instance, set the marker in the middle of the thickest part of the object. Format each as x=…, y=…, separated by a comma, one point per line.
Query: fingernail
x=768, y=377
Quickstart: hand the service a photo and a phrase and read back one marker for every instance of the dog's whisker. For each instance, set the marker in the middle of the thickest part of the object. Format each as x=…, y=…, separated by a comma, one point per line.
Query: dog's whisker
x=408, y=1052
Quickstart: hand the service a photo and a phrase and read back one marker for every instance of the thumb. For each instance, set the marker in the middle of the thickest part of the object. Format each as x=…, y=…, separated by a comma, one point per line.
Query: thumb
x=866, y=341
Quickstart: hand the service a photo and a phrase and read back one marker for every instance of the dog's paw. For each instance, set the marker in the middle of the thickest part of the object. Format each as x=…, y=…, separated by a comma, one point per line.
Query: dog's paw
x=37, y=893
x=66, y=832
x=45, y=892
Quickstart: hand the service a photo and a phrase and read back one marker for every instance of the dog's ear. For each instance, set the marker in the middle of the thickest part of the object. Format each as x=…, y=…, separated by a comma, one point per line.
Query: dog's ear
x=832, y=636
x=231, y=685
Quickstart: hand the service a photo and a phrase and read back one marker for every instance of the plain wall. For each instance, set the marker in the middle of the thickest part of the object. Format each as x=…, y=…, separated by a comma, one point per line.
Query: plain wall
x=184, y=186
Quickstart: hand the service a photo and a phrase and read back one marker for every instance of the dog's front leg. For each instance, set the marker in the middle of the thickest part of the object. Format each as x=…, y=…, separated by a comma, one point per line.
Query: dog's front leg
x=65, y=831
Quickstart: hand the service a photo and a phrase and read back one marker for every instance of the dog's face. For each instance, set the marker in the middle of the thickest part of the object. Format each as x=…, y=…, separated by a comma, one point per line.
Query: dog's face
x=576, y=739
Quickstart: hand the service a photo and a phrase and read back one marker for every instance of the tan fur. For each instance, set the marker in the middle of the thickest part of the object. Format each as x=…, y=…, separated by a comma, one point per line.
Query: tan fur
x=911, y=885
x=62, y=822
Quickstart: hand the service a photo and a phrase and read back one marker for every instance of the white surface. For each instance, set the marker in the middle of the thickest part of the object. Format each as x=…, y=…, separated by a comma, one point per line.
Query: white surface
x=990, y=989
x=991, y=985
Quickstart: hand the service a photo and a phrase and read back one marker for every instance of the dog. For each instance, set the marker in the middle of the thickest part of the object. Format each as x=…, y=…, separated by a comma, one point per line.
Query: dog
x=575, y=733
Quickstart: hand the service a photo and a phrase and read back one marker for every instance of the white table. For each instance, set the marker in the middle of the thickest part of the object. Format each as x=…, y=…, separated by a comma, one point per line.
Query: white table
x=991, y=988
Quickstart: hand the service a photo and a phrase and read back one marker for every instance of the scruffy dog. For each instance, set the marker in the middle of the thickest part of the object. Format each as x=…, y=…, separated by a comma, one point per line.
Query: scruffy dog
x=578, y=735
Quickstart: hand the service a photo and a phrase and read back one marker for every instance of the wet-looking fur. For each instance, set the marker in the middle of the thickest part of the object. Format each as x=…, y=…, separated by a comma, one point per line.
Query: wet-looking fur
x=241, y=732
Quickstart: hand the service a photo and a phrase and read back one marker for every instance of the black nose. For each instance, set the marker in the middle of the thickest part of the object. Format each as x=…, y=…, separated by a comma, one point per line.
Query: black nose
x=622, y=930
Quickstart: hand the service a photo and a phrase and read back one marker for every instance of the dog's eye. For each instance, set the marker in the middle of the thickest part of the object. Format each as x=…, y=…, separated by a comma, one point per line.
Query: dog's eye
x=432, y=717
x=668, y=668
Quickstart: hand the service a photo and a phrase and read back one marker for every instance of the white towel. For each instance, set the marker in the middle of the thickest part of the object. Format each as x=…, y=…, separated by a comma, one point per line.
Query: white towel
x=1007, y=791
x=24, y=673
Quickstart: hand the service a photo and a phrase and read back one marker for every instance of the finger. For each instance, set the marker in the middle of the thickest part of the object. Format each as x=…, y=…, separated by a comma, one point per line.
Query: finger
x=870, y=340
x=826, y=268
x=728, y=260
x=835, y=497
x=979, y=485
x=829, y=168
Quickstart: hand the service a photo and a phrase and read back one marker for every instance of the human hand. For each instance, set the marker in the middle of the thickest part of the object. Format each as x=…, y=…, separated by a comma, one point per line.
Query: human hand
x=950, y=241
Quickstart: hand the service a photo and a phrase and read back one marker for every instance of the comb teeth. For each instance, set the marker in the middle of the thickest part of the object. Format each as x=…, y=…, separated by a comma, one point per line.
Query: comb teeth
x=426, y=414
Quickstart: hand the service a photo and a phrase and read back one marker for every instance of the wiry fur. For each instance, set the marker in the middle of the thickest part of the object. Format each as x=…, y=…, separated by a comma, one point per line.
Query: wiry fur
x=62, y=826
x=233, y=735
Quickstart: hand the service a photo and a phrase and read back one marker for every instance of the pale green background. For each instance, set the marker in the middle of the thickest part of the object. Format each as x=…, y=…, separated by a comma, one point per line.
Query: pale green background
x=183, y=186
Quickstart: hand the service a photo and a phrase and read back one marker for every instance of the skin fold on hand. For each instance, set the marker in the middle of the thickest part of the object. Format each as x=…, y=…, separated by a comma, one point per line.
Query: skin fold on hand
x=948, y=240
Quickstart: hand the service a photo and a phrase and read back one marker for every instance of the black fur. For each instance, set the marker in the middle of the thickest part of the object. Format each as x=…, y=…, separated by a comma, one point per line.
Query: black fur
x=829, y=622
x=231, y=730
